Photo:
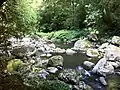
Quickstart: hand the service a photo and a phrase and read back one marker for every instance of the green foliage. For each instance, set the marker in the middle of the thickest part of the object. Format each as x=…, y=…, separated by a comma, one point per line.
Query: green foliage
x=54, y=85
x=13, y=65
x=60, y=14
x=17, y=17
x=111, y=17
x=62, y=35
x=40, y=84
x=77, y=14
x=93, y=16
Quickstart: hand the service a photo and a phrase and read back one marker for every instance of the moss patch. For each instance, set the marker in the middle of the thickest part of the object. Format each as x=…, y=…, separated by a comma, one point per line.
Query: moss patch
x=13, y=65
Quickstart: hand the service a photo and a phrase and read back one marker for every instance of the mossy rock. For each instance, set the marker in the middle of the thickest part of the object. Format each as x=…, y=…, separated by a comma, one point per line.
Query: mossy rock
x=13, y=65
x=82, y=44
x=55, y=61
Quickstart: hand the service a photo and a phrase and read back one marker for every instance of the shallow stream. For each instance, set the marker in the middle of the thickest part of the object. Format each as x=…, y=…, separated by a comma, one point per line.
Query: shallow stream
x=78, y=59
x=11, y=83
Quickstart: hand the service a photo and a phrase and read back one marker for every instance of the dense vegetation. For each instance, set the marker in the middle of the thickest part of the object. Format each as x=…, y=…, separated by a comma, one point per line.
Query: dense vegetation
x=70, y=21
x=93, y=15
x=20, y=17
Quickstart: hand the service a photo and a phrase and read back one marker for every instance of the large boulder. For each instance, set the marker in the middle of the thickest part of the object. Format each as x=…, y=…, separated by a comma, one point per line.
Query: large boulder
x=110, y=61
x=92, y=53
x=82, y=44
x=116, y=40
x=111, y=52
x=55, y=61
x=103, y=47
x=103, y=67
x=70, y=52
x=108, y=69
x=99, y=65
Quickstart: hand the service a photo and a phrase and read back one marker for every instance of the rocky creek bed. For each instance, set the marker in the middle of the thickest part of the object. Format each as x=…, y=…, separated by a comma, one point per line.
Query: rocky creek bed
x=39, y=64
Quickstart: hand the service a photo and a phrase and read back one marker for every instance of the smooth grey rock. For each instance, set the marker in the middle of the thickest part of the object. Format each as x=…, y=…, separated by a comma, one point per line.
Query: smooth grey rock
x=99, y=66
x=92, y=53
x=70, y=52
x=43, y=55
x=104, y=45
x=116, y=40
x=52, y=70
x=49, y=55
x=111, y=52
x=103, y=81
x=88, y=64
x=59, y=51
x=103, y=67
x=82, y=44
x=108, y=68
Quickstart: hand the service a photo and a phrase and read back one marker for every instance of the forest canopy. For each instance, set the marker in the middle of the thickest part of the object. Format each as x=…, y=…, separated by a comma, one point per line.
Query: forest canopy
x=20, y=17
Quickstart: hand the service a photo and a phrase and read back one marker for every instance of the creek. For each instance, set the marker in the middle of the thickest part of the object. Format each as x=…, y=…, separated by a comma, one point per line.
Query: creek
x=70, y=62
x=73, y=61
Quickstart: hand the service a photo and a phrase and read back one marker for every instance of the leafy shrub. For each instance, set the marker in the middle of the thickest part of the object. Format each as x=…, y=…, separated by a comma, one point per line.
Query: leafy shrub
x=63, y=35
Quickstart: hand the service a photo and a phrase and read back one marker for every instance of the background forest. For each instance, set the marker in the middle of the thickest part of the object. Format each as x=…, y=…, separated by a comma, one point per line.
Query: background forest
x=18, y=17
